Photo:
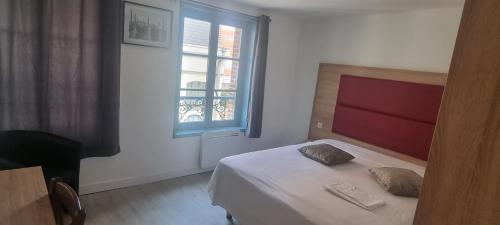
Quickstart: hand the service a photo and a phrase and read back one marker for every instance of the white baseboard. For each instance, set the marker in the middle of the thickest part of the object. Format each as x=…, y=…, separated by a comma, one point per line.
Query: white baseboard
x=132, y=181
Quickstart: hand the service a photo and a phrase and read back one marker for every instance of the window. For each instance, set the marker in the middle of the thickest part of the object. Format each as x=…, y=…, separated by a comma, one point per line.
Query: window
x=214, y=79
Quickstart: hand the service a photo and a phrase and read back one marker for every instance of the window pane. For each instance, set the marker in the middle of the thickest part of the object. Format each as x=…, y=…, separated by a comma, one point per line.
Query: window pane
x=229, y=41
x=196, y=36
x=226, y=76
x=224, y=93
x=223, y=109
x=192, y=93
x=194, y=72
x=191, y=110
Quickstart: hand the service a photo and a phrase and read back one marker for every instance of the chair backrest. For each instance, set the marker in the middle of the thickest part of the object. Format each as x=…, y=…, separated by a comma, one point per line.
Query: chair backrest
x=65, y=203
x=34, y=148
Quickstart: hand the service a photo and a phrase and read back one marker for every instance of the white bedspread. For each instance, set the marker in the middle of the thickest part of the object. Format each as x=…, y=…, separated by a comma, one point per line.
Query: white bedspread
x=281, y=187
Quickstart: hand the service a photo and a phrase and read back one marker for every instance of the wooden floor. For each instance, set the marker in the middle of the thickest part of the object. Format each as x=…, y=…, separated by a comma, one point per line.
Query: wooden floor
x=179, y=201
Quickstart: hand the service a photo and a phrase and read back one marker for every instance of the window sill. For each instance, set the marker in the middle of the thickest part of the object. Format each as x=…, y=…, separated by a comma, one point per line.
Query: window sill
x=193, y=133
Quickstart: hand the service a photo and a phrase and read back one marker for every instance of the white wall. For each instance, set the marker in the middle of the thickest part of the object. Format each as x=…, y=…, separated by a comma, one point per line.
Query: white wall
x=148, y=81
x=311, y=46
x=414, y=40
x=417, y=40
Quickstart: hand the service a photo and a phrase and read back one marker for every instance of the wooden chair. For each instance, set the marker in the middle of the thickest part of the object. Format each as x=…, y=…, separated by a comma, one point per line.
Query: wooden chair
x=65, y=203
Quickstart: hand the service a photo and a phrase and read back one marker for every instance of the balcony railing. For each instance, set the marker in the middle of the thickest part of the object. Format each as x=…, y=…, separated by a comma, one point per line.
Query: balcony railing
x=221, y=106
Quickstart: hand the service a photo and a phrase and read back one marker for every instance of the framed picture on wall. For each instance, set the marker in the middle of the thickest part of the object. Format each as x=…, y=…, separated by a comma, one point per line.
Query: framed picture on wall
x=146, y=25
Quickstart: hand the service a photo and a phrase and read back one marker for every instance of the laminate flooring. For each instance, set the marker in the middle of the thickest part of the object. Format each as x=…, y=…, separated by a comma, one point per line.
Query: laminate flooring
x=178, y=201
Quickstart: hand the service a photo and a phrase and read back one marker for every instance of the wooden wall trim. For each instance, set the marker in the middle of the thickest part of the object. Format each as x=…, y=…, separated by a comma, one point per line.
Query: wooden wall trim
x=384, y=73
x=462, y=181
x=326, y=97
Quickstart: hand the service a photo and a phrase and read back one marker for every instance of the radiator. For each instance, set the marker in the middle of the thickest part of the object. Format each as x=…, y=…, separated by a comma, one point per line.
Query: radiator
x=216, y=145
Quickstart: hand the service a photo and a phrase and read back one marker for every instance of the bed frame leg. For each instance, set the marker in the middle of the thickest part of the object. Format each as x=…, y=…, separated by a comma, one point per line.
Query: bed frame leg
x=229, y=216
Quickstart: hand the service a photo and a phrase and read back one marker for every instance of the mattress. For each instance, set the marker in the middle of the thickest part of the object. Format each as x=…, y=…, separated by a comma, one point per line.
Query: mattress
x=281, y=187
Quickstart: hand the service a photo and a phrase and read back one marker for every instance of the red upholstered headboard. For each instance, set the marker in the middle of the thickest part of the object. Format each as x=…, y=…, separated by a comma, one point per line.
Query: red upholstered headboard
x=396, y=115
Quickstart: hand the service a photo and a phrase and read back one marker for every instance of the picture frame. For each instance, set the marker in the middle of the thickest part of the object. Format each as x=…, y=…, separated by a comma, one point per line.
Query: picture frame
x=147, y=25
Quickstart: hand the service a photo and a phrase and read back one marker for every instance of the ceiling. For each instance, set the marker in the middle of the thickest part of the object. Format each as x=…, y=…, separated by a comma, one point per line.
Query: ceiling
x=325, y=7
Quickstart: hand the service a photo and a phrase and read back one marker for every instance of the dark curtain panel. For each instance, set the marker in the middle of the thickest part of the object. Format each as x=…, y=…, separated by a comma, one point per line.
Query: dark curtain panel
x=59, y=70
x=258, y=78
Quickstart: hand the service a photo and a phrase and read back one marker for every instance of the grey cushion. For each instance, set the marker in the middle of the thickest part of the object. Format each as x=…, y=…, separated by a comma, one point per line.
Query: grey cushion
x=326, y=154
x=398, y=181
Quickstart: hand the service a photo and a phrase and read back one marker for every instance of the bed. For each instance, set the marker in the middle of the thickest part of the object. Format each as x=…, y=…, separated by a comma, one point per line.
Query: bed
x=282, y=187
x=383, y=117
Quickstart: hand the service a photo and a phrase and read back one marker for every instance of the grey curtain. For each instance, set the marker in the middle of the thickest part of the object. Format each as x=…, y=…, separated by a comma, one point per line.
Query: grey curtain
x=258, y=78
x=59, y=70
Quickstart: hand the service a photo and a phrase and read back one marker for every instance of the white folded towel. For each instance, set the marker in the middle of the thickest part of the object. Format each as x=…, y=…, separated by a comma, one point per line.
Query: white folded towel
x=351, y=193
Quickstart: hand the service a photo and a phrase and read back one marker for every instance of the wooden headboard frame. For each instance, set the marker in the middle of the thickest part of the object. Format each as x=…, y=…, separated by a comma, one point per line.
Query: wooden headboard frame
x=326, y=97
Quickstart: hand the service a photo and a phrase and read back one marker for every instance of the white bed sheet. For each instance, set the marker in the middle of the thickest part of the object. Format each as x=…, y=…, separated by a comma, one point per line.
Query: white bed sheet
x=281, y=187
